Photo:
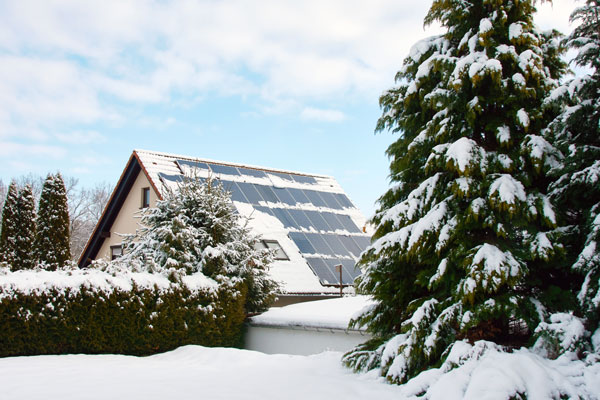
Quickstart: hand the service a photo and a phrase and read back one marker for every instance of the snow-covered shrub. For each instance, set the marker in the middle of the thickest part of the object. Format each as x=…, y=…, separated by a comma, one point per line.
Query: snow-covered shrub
x=70, y=310
x=195, y=229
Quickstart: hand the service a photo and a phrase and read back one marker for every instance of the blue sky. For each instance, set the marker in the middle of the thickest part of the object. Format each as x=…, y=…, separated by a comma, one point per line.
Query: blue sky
x=276, y=83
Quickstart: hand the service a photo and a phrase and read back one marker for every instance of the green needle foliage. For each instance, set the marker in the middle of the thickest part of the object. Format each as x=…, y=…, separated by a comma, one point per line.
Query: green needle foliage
x=10, y=225
x=196, y=229
x=466, y=236
x=577, y=131
x=52, y=238
x=24, y=251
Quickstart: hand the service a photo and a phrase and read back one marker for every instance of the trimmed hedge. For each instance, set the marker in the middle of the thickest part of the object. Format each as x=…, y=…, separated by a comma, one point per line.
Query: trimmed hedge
x=141, y=321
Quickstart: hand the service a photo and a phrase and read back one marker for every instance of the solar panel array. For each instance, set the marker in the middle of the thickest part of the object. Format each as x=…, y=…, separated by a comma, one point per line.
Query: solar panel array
x=315, y=220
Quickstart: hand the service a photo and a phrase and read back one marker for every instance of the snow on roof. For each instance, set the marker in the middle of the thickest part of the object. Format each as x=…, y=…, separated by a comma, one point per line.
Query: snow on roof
x=331, y=313
x=309, y=215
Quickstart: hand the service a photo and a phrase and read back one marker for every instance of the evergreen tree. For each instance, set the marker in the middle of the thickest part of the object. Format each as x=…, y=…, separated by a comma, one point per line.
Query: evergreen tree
x=196, y=229
x=465, y=235
x=52, y=237
x=26, y=227
x=577, y=131
x=10, y=228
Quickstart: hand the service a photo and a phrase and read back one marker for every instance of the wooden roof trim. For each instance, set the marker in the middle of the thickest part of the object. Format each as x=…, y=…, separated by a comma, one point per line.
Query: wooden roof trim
x=156, y=191
x=83, y=258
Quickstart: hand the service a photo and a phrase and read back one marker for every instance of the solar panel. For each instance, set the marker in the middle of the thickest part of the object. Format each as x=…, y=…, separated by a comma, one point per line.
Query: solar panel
x=319, y=244
x=350, y=245
x=348, y=223
x=350, y=266
x=172, y=178
x=252, y=172
x=362, y=241
x=322, y=270
x=336, y=245
x=236, y=192
x=347, y=279
x=300, y=218
x=284, y=196
x=250, y=192
x=285, y=218
x=330, y=200
x=299, y=196
x=287, y=177
x=302, y=242
x=267, y=193
x=191, y=164
x=344, y=200
x=314, y=198
x=304, y=179
x=224, y=169
x=317, y=221
x=333, y=221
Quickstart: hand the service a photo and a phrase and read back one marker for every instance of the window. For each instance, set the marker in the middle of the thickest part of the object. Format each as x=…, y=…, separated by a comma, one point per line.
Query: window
x=115, y=252
x=273, y=245
x=146, y=197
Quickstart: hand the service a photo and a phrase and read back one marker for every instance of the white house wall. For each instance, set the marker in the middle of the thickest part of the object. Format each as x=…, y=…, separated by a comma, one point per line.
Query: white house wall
x=129, y=215
x=299, y=341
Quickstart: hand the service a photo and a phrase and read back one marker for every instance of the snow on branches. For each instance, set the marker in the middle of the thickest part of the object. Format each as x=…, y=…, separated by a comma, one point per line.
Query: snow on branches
x=196, y=230
x=467, y=241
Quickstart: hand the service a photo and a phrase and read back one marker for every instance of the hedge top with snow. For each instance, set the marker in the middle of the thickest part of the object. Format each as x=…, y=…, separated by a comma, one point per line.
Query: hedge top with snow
x=467, y=242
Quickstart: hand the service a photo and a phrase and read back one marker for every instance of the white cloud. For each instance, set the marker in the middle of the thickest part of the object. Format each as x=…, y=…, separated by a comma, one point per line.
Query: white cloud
x=316, y=114
x=66, y=61
x=81, y=137
x=25, y=150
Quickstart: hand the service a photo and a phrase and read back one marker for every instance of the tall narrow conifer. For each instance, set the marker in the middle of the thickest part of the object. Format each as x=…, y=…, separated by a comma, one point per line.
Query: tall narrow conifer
x=52, y=237
x=8, y=235
x=26, y=227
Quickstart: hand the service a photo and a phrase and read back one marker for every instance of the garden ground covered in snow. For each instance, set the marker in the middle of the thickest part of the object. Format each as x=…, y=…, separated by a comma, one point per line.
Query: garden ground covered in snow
x=480, y=371
x=193, y=372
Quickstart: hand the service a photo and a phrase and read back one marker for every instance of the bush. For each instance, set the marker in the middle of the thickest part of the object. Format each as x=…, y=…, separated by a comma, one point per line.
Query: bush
x=70, y=311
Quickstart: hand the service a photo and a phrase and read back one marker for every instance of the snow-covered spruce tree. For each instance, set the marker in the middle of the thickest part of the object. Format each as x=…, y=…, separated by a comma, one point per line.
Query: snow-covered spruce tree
x=577, y=131
x=26, y=227
x=465, y=235
x=8, y=235
x=3, y=192
x=52, y=237
x=195, y=229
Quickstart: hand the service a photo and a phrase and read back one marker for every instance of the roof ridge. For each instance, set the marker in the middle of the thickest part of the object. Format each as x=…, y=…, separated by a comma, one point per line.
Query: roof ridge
x=228, y=163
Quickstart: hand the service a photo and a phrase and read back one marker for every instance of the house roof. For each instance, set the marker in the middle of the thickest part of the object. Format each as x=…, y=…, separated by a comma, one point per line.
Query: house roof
x=309, y=215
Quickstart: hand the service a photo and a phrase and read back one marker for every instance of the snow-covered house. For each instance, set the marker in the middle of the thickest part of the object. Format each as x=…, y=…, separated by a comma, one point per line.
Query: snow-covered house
x=306, y=218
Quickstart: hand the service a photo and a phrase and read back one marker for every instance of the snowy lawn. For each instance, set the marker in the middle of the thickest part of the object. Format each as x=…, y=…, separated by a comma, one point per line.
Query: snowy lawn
x=190, y=372
x=194, y=372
